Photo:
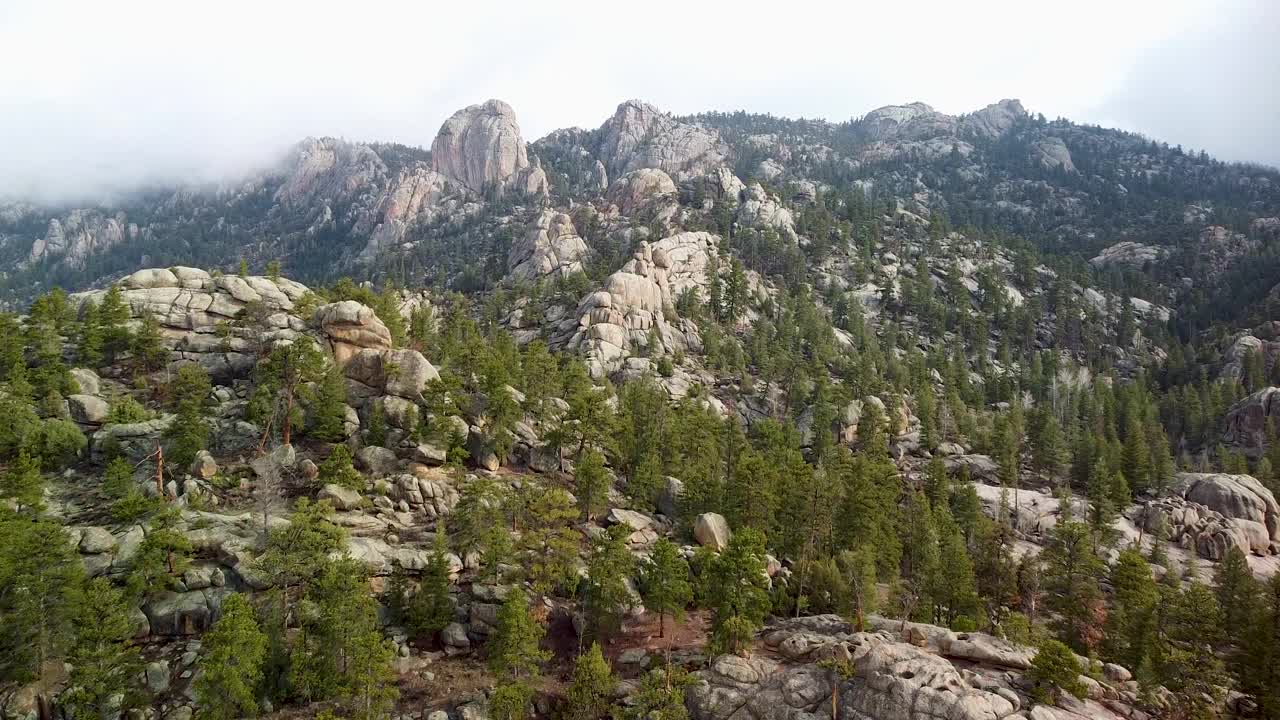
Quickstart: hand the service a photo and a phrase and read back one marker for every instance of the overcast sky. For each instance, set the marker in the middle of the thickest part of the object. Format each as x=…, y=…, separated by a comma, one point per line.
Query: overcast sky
x=96, y=96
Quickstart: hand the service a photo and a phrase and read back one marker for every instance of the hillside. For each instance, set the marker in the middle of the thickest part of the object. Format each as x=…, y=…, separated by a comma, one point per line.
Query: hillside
x=911, y=416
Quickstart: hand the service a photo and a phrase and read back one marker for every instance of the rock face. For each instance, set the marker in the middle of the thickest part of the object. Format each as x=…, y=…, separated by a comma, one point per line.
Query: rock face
x=551, y=249
x=79, y=234
x=480, y=148
x=760, y=210
x=891, y=680
x=1213, y=512
x=640, y=136
x=994, y=120
x=638, y=188
x=1247, y=420
x=915, y=121
x=350, y=328
x=195, y=311
x=636, y=301
x=1052, y=152
x=1127, y=253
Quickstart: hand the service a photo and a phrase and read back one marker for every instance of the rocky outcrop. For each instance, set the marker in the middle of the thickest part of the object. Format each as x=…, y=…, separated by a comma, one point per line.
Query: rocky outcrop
x=640, y=136
x=196, y=312
x=1247, y=420
x=1052, y=152
x=915, y=121
x=550, y=249
x=1129, y=254
x=80, y=233
x=1213, y=512
x=761, y=210
x=994, y=120
x=637, y=303
x=638, y=188
x=956, y=676
x=480, y=148
x=351, y=327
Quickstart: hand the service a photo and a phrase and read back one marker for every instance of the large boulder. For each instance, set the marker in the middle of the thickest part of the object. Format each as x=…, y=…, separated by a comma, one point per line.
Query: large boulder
x=711, y=530
x=88, y=409
x=350, y=328
x=1234, y=496
x=403, y=373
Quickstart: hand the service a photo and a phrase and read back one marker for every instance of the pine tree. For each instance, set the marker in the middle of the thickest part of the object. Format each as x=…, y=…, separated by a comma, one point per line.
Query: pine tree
x=1136, y=458
x=1071, y=578
x=666, y=583
x=549, y=543
x=113, y=315
x=432, y=608
x=147, y=345
x=513, y=648
x=338, y=469
x=591, y=481
x=609, y=568
x=43, y=577
x=284, y=378
x=590, y=693
x=90, y=342
x=510, y=700
x=660, y=696
x=1260, y=673
x=328, y=410
x=189, y=432
x=1129, y=621
x=106, y=666
x=738, y=592
x=232, y=653
x=369, y=690
x=1054, y=670
x=162, y=556
x=23, y=483
x=859, y=568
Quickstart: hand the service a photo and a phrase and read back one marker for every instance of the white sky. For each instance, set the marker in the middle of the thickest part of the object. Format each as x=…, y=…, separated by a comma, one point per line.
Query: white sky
x=96, y=96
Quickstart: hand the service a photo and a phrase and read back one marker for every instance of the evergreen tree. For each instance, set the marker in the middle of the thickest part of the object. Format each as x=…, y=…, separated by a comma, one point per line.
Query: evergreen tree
x=1072, y=570
x=162, y=556
x=738, y=592
x=548, y=543
x=510, y=700
x=513, y=648
x=284, y=379
x=591, y=690
x=1054, y=670
x=106, y=667
x=1239, y=596
x=90, y=341
x=189, y=432
x=660, y=696
x=41, y=579
x=859, y=568
x=1260, y=673
x=432, y=608
x=232, y=653
x=591, y=481
x=147, y=345
x=666, y=583
x=370, y=687
x=338, y=469
x=328, y=410
x=22, y=482
x=1129, y=621
x=609, y=568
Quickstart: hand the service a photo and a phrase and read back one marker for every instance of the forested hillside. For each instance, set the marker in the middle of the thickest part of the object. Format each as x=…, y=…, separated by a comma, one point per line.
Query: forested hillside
x=712, y=417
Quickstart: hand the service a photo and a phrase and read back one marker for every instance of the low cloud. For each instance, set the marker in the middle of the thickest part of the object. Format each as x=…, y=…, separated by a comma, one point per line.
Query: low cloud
x=106, y=97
